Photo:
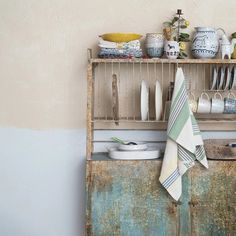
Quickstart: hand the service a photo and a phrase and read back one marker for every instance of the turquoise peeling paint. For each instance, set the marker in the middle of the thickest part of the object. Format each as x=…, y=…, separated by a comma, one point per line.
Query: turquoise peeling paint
x=124, y=209
x=184, y=212
x=127, y=200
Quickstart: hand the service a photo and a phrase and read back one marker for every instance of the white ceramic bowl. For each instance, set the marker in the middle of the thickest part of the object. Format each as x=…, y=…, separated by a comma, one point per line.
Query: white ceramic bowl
x=138, y=147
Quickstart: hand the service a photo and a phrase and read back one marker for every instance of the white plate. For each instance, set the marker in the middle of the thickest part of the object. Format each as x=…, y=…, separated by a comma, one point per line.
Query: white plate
x=228, y=78
x=158, y=100
x=151, y=153
x=144, y=100
x=139, y=147
x=213, y=79
x=221, y=78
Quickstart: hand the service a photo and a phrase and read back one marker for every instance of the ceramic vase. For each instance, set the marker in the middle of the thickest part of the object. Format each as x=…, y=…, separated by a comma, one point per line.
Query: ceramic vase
x=205, y=43
x=171, y=49
x=154, y=44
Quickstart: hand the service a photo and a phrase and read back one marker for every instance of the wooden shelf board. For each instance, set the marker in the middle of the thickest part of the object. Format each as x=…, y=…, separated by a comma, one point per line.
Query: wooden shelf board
x=204, y=125
x=164, y=61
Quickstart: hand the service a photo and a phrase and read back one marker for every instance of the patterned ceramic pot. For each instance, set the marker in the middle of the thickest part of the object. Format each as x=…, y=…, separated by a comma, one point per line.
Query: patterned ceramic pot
x=171, y=49
x=154, y=44
x=205, y=43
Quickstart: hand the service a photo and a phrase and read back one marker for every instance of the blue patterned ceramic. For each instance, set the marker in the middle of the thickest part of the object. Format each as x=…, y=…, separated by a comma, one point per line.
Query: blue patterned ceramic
x=171, y=49
x=230, y=106
x=155, y=52
x=154, y=44
x=205, y=43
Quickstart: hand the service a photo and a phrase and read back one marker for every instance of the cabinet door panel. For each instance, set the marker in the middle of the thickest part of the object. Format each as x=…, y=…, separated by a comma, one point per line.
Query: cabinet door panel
x=214, y=218
x=127, y=199
x=213, y=199
x=216, y=183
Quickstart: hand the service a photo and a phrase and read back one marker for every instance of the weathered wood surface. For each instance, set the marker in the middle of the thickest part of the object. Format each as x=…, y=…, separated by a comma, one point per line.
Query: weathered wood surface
x=90, y=110
x=125, y=198
x=218, y=149
x=213, y=199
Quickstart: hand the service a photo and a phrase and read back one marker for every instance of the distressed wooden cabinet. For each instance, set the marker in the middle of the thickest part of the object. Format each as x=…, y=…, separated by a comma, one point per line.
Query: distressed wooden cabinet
x=125, y=198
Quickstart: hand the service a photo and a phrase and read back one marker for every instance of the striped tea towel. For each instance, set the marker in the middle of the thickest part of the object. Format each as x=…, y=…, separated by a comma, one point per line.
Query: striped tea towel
x=184, y=142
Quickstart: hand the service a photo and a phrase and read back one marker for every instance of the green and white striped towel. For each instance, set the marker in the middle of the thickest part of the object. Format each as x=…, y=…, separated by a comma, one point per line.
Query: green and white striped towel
x=184, y=142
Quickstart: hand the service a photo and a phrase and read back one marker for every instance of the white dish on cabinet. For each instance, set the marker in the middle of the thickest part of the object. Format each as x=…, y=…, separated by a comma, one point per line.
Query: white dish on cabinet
x=150, y=153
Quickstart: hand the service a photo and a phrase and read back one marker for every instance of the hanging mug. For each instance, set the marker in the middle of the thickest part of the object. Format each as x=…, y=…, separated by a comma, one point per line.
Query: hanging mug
x=204, y=104
x=230, y=104
x=217, y=104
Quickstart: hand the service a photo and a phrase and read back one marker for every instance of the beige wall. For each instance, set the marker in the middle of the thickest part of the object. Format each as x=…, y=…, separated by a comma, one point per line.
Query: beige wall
x=43, y=50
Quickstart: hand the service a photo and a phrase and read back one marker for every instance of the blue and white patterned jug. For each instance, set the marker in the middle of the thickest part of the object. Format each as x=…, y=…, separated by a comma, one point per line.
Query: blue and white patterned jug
x=205, y=43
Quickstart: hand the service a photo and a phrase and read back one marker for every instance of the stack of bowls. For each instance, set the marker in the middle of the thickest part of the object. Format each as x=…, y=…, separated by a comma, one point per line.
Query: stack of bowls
x=154, y=45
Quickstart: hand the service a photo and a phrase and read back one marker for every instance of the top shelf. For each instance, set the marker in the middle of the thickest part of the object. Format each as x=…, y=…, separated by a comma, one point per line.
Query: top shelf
x=163, y=61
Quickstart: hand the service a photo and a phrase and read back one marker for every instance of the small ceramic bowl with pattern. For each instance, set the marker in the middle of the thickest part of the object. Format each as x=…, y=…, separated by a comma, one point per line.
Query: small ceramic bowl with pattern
x=154, y=45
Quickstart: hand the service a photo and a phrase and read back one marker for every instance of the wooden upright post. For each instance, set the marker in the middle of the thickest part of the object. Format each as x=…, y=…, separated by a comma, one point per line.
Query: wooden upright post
x=90, y=99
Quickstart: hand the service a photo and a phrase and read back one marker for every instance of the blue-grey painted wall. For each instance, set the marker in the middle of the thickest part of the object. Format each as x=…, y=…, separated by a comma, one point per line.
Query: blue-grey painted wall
x=42, y=173
x=42, y=187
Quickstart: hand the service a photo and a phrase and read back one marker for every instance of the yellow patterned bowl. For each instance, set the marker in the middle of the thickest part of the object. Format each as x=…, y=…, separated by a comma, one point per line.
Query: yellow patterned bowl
x=120, y=37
